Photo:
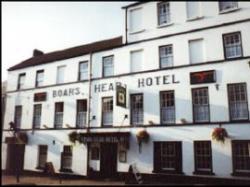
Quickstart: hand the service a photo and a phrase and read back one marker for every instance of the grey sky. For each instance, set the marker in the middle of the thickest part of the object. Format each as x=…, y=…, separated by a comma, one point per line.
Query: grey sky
x=51, y=26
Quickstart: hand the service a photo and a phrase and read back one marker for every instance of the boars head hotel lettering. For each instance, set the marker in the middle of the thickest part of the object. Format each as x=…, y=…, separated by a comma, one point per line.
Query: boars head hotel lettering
x=66, y=92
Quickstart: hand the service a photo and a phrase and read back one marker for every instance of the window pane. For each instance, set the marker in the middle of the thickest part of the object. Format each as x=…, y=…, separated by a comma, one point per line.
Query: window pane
x=108, y=66
x=83, y=71
x=232, y=44
x=42, y=159
x=18, y=116
x=226, y=5
x=166, y=56
x=81, y=113
x=193, y=9
x=196, y=51
x=136, y=61
x=163, y=13
x=137, y=109
x=58, y=115
x=60, y=74
x=203, y=155
x=167, y=107
x=39, y=78
x=107, y=111
x=135, y=20
x=241, y=156
x=21, y=80
x=37, y=116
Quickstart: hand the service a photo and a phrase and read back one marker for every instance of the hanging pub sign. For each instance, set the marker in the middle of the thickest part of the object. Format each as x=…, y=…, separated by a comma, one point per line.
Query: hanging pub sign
x=120, y=96
x=203, y=77
x=40, y=96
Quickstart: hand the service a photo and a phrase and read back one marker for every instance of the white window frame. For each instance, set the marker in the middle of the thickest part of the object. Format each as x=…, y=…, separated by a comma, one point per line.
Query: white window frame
x=108, y=64
x=131, y=63
x=199, y=16
x=39, y=78
x=59, y=79
x=83, y=72
x=140, y=28
x=167, y=14
x=234, y=47
x=230, y=9
x=168, y=56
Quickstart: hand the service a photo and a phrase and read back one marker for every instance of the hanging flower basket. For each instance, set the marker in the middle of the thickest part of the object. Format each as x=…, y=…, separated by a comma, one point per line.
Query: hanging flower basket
x=142, y=136
x=73, y=137
x=219, y=134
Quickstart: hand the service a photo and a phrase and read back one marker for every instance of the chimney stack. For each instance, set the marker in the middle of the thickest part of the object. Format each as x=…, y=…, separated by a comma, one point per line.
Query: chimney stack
x=37, y=52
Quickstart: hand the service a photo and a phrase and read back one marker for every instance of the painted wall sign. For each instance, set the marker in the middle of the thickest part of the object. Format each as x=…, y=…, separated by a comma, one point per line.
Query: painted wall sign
x=104, y=87
x=203, y=77
x=40, y=96
x=66, y=92
x=121, y=96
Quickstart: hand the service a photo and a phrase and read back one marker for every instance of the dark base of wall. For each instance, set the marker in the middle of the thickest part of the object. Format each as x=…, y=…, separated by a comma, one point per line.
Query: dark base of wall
x=147, y=178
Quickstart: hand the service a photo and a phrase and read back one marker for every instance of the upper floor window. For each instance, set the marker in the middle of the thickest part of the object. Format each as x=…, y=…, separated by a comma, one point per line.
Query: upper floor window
x=107, y=111
x=18, y=116
x=166, y=56
x=108, y=66
x=135, y=20
x=58, y=123
x=237, y=95
x=227, y=5
x=136, y=107
x=39, y=78
x=193, y=9
x=200, y=104
x=37, y=116
x=136, y=60
x=232, y=45
x=196, y=51
x=167, y=107
x=60, y=74
x=21, y=79
x=163, y=13
x=203, y=157
x=81, y=116
x=241, y=157
x=83, y=70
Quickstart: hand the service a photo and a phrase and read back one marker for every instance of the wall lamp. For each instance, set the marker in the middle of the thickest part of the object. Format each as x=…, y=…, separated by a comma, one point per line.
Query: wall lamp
x=217, y=86
x=249, y=63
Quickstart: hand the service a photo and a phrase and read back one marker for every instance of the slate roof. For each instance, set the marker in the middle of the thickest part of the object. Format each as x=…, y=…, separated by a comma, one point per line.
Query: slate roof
x=69, y=53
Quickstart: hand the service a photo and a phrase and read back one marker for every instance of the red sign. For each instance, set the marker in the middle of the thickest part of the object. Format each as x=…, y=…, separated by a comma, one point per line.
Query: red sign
x=202, y=77
x=40, y=96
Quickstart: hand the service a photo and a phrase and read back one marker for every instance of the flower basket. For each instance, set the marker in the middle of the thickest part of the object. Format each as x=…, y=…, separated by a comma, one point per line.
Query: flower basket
x=219, y=134
x=142, y=136
x=73, y=137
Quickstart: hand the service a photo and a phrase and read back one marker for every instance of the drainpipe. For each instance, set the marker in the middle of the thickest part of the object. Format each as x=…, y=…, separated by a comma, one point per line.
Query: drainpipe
x=126, y=26
x=90, y=96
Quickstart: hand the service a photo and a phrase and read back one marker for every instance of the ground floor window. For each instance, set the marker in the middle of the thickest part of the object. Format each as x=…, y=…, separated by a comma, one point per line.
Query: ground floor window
x=241, y=157
x=203, y=157
x=168, y=157
x=42, y=156
x=66, y=159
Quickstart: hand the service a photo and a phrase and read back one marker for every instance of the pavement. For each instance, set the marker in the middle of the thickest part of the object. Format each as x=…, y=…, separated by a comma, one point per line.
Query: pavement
x=36, y=180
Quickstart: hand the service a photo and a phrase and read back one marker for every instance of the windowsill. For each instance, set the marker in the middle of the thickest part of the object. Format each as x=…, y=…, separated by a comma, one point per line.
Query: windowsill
x=168, y=172
x=165, y=25
x=229, y=10
x=195, y=18
x=66, y=170
x=40, y=168
x=228, y=58
x=203, y=173
x=241, y=174
x=136, y=32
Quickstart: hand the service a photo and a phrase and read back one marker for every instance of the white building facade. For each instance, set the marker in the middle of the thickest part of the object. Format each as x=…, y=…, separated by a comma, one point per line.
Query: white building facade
x=185, y=68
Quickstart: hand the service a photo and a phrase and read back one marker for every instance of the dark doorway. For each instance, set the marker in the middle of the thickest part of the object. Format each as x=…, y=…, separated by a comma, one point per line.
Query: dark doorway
x=15, y=158
x=108, y=166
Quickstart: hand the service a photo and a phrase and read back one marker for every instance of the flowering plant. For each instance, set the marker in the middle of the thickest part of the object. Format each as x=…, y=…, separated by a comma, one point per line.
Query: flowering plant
x=142, y=136
x=219, y=134
x=73, y=137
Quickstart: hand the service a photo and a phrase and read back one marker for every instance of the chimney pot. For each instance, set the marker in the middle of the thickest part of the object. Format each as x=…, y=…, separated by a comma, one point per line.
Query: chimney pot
x=37, y=52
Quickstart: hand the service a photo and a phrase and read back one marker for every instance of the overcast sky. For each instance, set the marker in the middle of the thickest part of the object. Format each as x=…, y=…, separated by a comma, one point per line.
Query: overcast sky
x=50, y=26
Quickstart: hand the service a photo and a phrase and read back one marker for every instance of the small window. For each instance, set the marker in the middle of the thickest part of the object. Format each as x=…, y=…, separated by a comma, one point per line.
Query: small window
x=66, y=158
x=166, y=56
x=241, y=157
x=135, y=20
x=227, y=5
x=42, y=157
x=237, y=95
x=193, y=9
x=59, y=115
x=107, y=111
x=136, y=60
x=21, y=80
x=163, y=13
x=83, y=70
x=39, y=78
x=108, y=66
x=18, y=116
x=81, y=117
x=167, y=107
x=200, y=105
x=203, y=157
x=94, y=153
x=168, y=157
x=196, y=51
x=60, y=74
x=37, y=116
x=136, y=112
x=232, y=45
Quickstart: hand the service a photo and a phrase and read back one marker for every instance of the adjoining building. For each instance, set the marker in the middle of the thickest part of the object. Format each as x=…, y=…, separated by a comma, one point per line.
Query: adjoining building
x=169, y=97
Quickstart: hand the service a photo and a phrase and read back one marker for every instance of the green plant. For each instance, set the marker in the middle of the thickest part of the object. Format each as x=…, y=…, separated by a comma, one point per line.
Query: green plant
x=73, y=137
x=219, y=134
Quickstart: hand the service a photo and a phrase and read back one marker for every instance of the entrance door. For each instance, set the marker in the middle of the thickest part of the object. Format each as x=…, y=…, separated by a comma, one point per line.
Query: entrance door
x=108, y=165
x=15, y=158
